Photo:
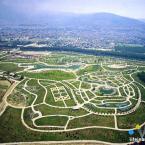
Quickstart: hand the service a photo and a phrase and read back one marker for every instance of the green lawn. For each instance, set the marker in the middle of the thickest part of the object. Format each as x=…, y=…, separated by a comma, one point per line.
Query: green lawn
x=19, y=60
x=92, y=120
x=52, y=75
x=47, y=110
x=50, y=99
x=9, y=67
x=91, y=68
x=131, y=120
x=12, y=130
x=4, y=85
x=52, y=121
x=35, y=88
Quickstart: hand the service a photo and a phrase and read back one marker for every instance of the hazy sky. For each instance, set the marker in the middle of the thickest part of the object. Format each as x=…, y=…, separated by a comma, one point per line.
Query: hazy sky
x=129, y=8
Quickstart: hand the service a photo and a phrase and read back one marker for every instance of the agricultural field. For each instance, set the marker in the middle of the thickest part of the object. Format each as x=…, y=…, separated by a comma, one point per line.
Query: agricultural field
x=67, y=96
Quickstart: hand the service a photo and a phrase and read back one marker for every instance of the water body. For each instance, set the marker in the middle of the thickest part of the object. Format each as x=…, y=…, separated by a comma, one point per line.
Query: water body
x=107, y=91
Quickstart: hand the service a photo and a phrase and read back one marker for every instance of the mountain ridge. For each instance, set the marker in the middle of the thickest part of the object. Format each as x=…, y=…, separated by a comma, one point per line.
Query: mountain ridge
x=10, y=16
x=89, y=27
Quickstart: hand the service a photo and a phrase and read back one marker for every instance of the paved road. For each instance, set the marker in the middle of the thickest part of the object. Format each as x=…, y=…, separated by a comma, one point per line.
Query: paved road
x=83, y=142
x=4, y=104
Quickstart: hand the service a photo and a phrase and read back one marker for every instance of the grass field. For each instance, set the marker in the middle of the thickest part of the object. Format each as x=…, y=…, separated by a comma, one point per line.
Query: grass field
x=47, y=110
x=12, y=130
x=100, y=100
x=92, y=120
x=9, y=67
x=4, y=85
x=131, y=120
x=88, y=69
x=52, y=120
x=52, y=75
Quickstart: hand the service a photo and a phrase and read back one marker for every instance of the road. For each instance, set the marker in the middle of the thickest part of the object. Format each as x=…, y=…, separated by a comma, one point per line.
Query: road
x=4, y=103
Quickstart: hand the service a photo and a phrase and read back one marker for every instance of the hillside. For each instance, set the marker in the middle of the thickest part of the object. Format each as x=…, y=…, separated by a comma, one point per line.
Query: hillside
x=68, y=30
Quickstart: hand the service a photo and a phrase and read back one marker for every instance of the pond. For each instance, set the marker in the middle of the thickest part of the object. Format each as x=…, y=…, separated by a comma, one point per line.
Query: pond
x=107, y=90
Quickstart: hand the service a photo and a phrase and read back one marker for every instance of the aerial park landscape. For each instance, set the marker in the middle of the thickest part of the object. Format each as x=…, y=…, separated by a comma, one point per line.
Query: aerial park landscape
x=72, y=72
x=67, y=96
